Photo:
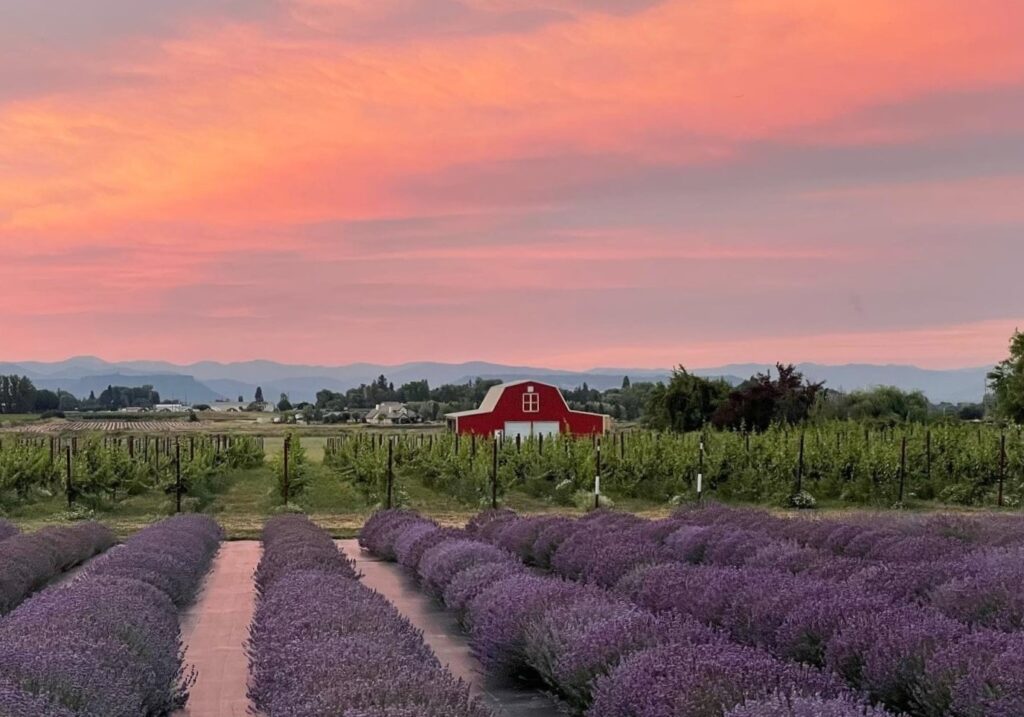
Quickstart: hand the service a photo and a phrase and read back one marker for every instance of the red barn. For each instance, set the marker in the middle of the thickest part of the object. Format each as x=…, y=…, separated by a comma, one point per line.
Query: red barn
x=526, y=408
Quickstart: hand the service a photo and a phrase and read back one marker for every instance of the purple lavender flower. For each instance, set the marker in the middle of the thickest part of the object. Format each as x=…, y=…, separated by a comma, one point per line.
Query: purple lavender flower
x=30, y=560
x=65, y=644
x=7, y=529
x=441, y=563
x=783, y=705
x=701, y=680
x=500, y=616
x=323, y=643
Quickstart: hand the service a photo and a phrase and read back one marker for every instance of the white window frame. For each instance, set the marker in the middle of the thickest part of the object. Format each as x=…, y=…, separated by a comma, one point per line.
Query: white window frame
x=531, y=402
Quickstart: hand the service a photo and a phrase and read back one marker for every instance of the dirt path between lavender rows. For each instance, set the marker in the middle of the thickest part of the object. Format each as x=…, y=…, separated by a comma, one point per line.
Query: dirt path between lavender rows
x=214, y=631
x=443, y=635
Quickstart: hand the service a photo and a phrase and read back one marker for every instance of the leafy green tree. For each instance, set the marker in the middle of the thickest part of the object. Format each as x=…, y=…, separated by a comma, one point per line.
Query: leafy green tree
x=687, y=403
x=284, y=404
x=884, y=404
x=1007, y=381
x=259, y=394
x=46, y=401
x=17, y=394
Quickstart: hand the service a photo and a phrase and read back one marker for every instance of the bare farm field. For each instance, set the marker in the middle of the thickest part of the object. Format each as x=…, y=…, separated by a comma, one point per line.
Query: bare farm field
x=60, y=427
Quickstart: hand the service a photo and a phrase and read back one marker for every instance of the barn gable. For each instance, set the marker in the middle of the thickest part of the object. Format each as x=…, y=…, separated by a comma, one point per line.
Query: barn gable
x=526, y=408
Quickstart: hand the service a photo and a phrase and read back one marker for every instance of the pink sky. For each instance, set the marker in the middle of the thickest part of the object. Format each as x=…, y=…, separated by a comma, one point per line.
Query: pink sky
x=566, y=183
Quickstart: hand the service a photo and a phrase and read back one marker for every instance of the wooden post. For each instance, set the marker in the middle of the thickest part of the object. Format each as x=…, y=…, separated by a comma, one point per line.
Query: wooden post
x=700, y=468
x=191, y=448
x=287, y=447
x=70, y=487
x=494, y=474
x=540, y=444
x=391, y=473
x=800, y=466
x=903, y=467
x=597, y=473
x=472, y=446
x=622, y=446
x=177, y=476
x=519, y=443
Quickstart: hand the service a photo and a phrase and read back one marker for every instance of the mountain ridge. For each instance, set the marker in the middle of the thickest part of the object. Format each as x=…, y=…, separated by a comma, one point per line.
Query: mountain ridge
x=206, y=381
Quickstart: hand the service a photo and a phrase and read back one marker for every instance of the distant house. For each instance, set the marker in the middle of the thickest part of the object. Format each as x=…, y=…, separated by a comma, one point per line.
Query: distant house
x=170, y=407
x=391, y=413
x=526, y=408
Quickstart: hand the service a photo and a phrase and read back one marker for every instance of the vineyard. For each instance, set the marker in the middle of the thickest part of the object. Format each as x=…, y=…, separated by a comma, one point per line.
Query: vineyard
x=958, y=464
x=99, y=471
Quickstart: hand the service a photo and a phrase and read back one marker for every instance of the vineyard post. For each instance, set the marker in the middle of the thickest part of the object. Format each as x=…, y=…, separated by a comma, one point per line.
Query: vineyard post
x=70, y=485
x=597, y=473
x=391, y=472
x=700, y=469
x=494, y=474
x=177, y=476
x=540, y=444
x=456, y=444
x=131, y=447
x=519, y=442
x=800, y=466
x=53, y=450
x=287, y=447
x=472, y=446
x=191, y=448
x=903, y=467
x=622, y=446
x=1002, y=466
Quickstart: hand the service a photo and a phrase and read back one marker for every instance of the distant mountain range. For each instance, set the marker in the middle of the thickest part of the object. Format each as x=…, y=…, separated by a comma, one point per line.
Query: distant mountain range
x=207, y=381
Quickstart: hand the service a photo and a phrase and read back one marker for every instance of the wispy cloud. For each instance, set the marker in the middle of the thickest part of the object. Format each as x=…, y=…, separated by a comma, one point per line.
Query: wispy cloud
x=580, y=178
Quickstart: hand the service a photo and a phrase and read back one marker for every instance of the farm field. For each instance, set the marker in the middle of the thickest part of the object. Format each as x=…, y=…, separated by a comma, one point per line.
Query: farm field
x=131, y=480
x=710, y=612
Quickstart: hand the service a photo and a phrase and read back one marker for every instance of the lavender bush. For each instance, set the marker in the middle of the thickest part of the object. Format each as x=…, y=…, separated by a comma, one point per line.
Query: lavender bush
x=783, y=705
x=30, y=560
x=870, y=598
x=701, y=680
x=575, y=636
x=108, y=643
x=7, y=529
x=322, y=643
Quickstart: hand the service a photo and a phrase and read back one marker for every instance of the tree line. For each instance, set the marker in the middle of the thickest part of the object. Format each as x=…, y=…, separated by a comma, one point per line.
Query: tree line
x=19, y=395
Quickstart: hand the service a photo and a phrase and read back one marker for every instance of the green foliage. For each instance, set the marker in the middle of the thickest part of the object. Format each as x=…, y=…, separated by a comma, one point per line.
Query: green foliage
x=17, y=394
x=844, y=462
x=687, y=403
x=1007, y=381
x=293, y=473
x=104, y=471
x=885, y=405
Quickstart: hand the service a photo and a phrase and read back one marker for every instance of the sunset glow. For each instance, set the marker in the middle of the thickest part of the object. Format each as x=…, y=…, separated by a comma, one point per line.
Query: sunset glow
x=567, y=183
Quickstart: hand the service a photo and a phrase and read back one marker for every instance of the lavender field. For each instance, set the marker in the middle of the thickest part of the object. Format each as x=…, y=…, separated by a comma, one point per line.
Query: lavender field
x=719, y=611
x=712, y=612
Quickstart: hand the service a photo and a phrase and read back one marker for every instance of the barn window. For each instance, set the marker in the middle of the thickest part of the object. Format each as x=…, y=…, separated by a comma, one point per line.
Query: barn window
x=531, y=402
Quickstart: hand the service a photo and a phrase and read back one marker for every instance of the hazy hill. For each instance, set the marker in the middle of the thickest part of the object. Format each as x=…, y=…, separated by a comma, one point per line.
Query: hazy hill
x=207, y=380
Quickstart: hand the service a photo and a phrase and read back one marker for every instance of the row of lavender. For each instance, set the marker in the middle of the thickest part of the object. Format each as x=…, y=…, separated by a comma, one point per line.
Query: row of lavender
x=603, y=653
x=7, y=529
x=108, y=644
x=323, y=643
x=798, y=592
x=28, y=561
